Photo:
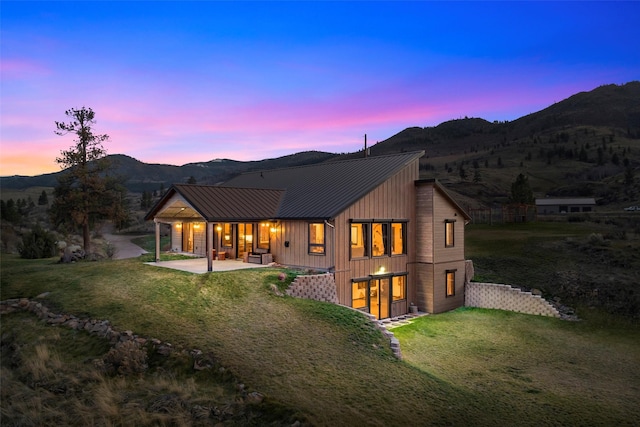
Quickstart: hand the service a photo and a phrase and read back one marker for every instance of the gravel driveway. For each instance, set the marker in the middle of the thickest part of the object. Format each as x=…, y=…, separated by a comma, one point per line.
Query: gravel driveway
x=123, y=245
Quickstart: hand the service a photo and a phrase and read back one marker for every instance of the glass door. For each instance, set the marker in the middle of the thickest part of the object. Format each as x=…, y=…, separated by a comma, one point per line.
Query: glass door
x=245, y=238
x=379, y=297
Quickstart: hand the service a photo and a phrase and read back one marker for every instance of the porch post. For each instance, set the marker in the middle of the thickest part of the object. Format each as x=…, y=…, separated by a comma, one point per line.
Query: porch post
x=157, y=239
x=208, y=245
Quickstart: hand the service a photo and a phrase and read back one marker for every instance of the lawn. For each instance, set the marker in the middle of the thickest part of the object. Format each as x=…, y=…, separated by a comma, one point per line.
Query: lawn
x=319, y=363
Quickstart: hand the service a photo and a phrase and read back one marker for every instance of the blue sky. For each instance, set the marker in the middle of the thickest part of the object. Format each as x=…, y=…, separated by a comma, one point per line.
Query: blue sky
x=180, y=82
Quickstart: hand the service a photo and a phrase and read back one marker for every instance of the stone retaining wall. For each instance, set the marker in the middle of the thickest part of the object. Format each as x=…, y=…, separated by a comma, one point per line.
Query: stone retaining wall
x=319, y=287
x=505, y=297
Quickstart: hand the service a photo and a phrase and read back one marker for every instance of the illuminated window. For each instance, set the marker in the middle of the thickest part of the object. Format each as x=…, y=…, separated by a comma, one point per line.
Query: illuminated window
x=359, y=294
x=227, y=235
x=359, y=240
x=399, y=287
x=379, y=239
x=451, y=282
x=449, y=229
x=263, y=235
x=316, y=238
x=398, y=233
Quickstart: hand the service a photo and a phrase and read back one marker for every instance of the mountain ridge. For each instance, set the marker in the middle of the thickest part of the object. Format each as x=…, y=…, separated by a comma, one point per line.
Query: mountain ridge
x=584, y=144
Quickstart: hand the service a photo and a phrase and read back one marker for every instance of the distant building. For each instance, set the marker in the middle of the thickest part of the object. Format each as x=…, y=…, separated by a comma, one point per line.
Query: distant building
x=551, y=206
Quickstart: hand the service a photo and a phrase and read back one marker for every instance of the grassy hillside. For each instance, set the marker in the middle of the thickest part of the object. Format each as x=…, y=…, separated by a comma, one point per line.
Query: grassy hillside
x=314, y=362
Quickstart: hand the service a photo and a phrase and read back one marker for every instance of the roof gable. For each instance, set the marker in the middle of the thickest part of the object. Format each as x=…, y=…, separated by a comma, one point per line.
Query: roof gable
x=323, y=190
x=223, y=203
x=438, y=186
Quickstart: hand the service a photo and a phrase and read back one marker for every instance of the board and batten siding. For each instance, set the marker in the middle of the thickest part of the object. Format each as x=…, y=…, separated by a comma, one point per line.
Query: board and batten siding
x=176, y=237
x=391, y=200
x=433, y=258
x=297, y=254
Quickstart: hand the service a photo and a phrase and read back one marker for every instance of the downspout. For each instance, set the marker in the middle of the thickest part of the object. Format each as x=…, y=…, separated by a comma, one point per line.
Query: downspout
x=333, y=249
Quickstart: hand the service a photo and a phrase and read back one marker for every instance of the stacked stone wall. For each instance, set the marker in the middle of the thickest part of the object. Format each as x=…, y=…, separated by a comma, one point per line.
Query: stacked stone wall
x=318, y=287
x=505, y=297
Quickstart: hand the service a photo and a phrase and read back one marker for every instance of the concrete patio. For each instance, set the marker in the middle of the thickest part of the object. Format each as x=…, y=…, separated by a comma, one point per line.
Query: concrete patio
x=199, y=265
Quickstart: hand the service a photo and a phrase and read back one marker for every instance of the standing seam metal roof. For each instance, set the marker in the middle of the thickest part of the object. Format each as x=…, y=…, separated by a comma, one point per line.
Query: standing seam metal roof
x=224, y=203
x=323, y=190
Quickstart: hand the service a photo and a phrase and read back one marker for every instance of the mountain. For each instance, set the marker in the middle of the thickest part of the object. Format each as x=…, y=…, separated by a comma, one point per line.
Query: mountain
x=139, y=176
x=585, y=145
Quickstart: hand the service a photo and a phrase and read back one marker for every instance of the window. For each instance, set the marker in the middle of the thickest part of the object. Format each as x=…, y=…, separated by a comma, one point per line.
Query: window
x=451, y=282
x=398, y=233
x=263, y=235
x=359, y=294
x=399, y=288
x=227, y=235
x=316, y=238
x=359, y=240
x=449, y=231
x=379, y=239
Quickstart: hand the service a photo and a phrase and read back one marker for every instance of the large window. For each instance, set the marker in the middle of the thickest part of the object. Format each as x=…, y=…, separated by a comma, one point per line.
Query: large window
x=451, y=282
x=227, y=235
x=378, y=239
x=263, y=235
x=449, y=233
x=316, y=238
x=359, y=294
x=399, y=287
x=359, y=240
x=398, y=233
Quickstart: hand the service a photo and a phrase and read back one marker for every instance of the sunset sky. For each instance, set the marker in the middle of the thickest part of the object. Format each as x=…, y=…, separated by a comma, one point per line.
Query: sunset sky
x=182, y=82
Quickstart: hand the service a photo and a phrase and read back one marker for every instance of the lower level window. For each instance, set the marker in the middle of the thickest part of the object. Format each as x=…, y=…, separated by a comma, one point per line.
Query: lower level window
x=451, y=282
x=359, y=294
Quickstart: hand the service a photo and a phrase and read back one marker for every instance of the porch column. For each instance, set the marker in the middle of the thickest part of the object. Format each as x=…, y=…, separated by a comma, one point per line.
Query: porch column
x=208, y=245
x=157, y=239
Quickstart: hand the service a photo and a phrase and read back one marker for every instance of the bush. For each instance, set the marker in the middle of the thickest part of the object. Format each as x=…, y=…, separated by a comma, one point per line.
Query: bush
x=37, y=243
x=126, y=358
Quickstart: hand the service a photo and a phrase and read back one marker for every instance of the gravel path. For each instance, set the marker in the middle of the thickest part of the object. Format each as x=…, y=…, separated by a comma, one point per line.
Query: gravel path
x=123, y=245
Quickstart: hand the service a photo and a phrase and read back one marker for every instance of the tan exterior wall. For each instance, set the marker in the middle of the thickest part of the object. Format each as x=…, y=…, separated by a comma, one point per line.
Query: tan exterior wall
x=433, y=258
x=297, y=254
x=176, y=237
x=392, y=200
x=443, y=210
x=441, y=302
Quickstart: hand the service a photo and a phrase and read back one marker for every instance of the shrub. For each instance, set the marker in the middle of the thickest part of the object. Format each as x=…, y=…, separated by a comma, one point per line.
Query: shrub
x=126, y=358
x=37, y=243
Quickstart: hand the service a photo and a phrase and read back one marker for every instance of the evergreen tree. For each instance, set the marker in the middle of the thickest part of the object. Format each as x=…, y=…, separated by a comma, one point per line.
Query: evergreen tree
x=85, y=193
x=521, y=191
x=43, y=199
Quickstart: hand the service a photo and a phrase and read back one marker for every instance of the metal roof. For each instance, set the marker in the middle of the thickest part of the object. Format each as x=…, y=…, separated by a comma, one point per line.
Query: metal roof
x=566, y=201
x=215, y=203
x=323, y=190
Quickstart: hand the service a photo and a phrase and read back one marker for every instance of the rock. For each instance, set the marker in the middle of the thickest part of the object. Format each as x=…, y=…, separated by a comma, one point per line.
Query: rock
x=254, y=397
x=43, y=295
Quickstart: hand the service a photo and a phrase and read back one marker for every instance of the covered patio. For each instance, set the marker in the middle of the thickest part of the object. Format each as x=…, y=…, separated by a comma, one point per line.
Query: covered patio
x=200, y=265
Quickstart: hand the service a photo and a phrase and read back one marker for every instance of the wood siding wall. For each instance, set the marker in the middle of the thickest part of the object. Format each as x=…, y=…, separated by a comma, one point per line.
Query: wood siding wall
x=176, y=237
x=433, y=258
x=297, y=254
x=392, y=200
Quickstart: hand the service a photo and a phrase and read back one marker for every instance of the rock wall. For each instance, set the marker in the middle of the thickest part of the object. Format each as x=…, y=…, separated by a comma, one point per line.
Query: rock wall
x=505, y=297
x=319, y=287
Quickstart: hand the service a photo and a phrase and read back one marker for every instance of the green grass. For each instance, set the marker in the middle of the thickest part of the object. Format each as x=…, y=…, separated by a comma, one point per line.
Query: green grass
x=325, y=364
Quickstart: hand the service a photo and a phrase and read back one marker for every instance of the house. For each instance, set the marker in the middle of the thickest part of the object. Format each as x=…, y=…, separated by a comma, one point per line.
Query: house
x=565, y=205
x=389, y=238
